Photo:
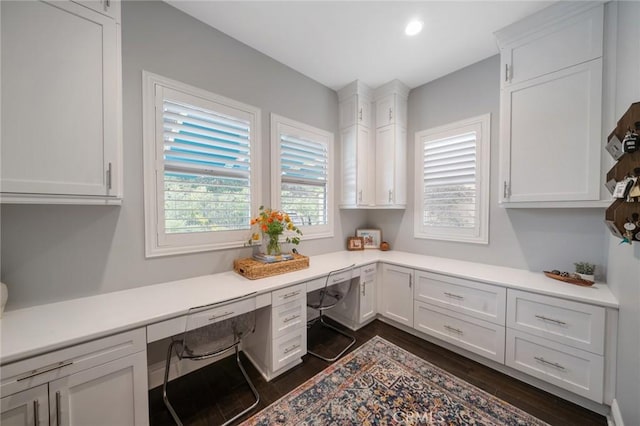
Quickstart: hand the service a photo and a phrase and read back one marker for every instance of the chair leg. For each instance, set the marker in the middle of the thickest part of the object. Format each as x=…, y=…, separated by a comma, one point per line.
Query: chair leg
x=164, y=386
x=253, y=390
x=337, y=330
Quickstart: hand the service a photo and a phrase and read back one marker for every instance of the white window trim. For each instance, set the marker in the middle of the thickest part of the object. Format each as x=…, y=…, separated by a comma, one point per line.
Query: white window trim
x=280, y=125
x=482, y=125
x=155, y=244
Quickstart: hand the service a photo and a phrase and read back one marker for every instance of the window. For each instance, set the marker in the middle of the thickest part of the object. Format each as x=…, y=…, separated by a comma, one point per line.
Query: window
x=302, y=178
x=200, y=168
x=452, y=181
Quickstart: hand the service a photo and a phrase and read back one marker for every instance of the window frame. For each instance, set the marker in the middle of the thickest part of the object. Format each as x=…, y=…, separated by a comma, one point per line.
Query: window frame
x=482, y=126
x=280, y=125
x=157, y=242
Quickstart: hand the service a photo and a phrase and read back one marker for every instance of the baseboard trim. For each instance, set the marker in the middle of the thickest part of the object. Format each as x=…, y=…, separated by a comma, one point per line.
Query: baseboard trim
x=616, y=414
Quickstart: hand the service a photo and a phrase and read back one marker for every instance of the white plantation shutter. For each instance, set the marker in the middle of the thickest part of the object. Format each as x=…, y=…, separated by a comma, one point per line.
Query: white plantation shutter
x=206, y=170
x=304, y=169
x=449, y=170
x=452, y=176
x=201, y=168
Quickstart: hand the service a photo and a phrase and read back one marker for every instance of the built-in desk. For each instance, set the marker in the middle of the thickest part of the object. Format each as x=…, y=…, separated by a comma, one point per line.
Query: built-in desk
x=32, y=336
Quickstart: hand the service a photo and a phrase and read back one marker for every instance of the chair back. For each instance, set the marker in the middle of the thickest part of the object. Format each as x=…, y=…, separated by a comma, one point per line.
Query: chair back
x=331, y=294
x=206, y=336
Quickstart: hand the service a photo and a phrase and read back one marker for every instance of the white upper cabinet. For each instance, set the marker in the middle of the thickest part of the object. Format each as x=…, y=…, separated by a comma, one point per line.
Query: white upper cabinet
x=551, y=107
x=61, y=103
x=374, y=155
x=391, y=109
x=356, y=147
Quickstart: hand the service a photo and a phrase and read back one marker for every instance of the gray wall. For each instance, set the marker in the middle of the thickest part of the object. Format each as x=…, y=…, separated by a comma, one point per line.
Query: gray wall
x=534, y=239
x=624, y=261
x=52, y=253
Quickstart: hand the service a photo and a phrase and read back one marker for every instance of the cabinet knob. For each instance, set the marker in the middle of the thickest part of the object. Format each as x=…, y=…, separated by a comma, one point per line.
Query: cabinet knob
x=390, y=196
x=360, y=114
x=390, y=114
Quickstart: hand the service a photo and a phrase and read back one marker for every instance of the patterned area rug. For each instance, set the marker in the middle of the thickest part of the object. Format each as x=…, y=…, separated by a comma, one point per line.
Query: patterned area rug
x=382, y=384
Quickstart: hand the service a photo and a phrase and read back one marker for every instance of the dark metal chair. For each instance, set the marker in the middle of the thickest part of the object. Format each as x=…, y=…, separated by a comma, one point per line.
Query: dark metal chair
x=326, y=298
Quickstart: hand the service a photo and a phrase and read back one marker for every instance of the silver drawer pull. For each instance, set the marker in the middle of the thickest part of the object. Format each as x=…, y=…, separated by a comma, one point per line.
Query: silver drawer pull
x=543, y=318
x=291, y=318
x=553, y=364
x=215, y=317
x=364, y=289
x=455, y=296
x=58, y=409
x=366, y=271
x=46, y=370
x=291, y=348
x=292, y=294
x=455, y=330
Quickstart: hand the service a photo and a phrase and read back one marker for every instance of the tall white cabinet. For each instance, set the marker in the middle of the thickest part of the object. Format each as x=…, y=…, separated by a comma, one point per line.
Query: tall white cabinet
x=373, y=139
x=61, y=102
x=551, y=107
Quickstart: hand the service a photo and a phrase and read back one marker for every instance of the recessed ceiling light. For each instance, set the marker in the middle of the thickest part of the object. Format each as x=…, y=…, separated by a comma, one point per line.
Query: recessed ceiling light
x=413, y=27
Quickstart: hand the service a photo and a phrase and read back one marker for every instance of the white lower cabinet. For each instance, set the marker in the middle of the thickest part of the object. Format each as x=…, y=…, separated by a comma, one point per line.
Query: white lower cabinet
x=396, y=294
x=575, y=370
x=358, y=307
x=556, y=340
x=478, y=336
x=280, y=339
x=26, y=408
x=103, y=382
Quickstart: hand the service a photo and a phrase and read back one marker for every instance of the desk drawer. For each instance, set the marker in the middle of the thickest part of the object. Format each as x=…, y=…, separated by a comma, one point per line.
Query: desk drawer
x=578, y=371
x=288, y=294
x=368, y=272
x=41, y=369
x=289, y=348
x=288, y=317
x=572, y=323
x=483, y=301
x=481, y=337
x=174, y=326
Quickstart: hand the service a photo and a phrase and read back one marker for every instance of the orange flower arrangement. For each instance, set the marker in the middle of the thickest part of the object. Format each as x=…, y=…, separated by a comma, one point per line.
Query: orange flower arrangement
x=274, y=223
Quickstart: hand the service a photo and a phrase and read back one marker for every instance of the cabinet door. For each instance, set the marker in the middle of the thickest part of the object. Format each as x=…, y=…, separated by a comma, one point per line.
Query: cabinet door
x=59, y=99
x=110, y=394
x=27, y=408
x=568, y=42
x=357, y=170
x=550, y=137
x=364, y=112
x=390, y=173
x=396, y=298
x=367, y=299
x=385, y=110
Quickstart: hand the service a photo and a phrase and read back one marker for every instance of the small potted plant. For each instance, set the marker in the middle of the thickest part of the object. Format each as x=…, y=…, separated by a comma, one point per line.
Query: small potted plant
x=585, y=270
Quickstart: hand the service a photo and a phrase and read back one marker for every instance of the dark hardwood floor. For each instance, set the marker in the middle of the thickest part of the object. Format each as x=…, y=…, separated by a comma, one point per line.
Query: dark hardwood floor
x=213, y=394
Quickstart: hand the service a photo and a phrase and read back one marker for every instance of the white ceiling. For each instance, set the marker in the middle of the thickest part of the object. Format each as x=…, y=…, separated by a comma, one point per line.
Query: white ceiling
x=336, y=42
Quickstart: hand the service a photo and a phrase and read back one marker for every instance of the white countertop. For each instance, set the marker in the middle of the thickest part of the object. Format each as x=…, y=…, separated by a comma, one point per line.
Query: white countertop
x=39, y=329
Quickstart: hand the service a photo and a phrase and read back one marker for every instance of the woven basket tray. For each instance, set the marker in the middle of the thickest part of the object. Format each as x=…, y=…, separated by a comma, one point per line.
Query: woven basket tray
x=252, y=269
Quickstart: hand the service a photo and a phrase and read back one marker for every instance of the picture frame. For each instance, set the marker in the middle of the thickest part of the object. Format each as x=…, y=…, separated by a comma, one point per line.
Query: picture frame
x=355, y=243
x=372, y=237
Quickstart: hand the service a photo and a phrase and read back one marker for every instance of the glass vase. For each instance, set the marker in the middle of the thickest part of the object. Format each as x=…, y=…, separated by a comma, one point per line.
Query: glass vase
x=273, y=245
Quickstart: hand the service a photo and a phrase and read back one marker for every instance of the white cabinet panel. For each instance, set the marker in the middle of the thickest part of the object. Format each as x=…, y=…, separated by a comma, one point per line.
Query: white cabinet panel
x=396, y=298
x=578, y=39
x=288, y=317
x=60, y=101
x=27, y=408
x=483, y=301
x=289, y=348
x=578, y=371
x=550, y=138
x=481, y=337
x=575, y=324
x=391, y=161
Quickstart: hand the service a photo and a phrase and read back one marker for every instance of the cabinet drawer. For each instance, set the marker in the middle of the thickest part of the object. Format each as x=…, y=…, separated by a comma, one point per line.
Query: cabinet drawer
x=572, y=323
x=483, y=301
x=289, y=348
x=174, y=326
x=288, y=294
x=34, y=371
x=481, y=337
x=368, y=272
x=578, y=371
x=288, y=317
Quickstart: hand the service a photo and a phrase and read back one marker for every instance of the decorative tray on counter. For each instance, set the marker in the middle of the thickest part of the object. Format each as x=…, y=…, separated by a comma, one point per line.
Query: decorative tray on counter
x=570, y=280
